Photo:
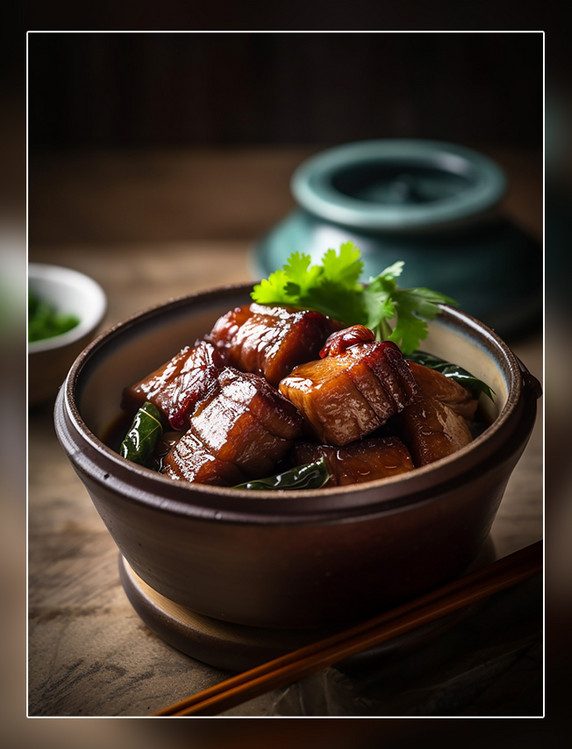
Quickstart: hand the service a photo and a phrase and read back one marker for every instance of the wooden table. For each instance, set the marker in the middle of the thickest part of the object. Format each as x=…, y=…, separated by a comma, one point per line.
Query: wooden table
x=150, y=226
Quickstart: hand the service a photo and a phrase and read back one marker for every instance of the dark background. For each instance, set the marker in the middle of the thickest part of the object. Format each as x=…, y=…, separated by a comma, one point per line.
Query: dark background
x=79, y=88
x=101, y=90
x=90, y=91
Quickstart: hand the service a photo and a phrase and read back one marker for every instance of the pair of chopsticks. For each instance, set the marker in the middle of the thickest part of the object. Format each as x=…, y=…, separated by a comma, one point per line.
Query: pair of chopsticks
x=288, y=668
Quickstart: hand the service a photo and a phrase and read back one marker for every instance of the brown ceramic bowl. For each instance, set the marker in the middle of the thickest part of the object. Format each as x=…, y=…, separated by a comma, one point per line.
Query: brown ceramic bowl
x=291, y=559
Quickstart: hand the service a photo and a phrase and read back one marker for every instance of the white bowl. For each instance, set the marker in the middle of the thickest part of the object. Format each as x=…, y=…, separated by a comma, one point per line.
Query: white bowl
x=71, y=292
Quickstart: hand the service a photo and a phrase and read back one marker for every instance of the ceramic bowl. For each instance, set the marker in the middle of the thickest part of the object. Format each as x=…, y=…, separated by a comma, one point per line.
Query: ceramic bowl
x=69, y=292
x=437, y=206
x=290, y=559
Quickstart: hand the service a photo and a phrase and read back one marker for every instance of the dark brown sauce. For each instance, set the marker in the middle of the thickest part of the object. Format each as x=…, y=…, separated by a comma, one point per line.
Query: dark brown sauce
x=114, y=433
x=481, y=421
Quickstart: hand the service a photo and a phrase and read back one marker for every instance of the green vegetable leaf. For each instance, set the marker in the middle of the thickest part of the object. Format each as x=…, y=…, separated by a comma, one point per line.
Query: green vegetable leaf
x=411, y=308
x=454, y=371
x=273, y=290
x=379, y=300
x=333, y=288
x=344, y=268
x=143, y=435
x=414, y=307
x=308, y=476
x=44, y=320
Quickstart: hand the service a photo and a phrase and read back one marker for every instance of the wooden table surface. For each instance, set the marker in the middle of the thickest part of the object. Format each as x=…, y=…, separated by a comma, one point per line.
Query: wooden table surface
x=151, y=226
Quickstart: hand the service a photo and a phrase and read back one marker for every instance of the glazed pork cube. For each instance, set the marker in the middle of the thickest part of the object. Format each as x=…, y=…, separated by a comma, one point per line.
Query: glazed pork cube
x=176, y=386
x=436, y=423
x=270, y=341
x=350, y=392
x=274, y=412
x=190, y=460
x=243, y=422
x=366, y=460
x=445, y=390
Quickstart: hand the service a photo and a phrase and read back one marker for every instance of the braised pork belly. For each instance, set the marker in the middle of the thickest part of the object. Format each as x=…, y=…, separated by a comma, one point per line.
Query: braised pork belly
x=243, y=423
x=192, y=461
x=176, y=386
x=270, y=341
x=366, y=460
x=273, y=387
x=444, y=389
x=437, y=423
x=345, y=396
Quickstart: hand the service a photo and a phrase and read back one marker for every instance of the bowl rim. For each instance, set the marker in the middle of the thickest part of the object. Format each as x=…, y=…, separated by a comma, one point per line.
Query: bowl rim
x=313, y=184
x=73, y=278
x=138, y=484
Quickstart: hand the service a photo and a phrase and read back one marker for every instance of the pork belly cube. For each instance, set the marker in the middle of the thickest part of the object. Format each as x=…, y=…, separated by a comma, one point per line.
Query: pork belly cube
x=244, y=422
x=431, y=430
x=344, y=397
x=276, y=414
x=176, y=386
x=190, y=460
x=366, y=460
x=445, y=390
x=436, y=423
x=270, y=341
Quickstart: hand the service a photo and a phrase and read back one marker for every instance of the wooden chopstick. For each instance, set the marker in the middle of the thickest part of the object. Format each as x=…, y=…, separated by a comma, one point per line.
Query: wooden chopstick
x=288, y=668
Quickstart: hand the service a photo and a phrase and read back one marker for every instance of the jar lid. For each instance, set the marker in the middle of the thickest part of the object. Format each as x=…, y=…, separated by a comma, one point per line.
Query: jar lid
x=398, y=185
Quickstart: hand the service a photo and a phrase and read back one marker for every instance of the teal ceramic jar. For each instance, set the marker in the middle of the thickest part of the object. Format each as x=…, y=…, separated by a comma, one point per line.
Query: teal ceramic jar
x=436, y=206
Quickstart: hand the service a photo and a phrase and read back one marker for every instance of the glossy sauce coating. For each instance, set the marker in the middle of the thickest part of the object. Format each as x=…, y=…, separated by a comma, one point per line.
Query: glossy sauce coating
x=176, y=386
x=270, y=341
x=341, y=340
x=366, y=460
x=434, y=425
x=345, y=397
x=190, y=460
x=270, y=387
x=445, y=390
x=243, y=422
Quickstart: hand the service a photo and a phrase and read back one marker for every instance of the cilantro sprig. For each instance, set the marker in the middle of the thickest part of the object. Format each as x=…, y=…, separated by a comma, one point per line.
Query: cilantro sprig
x=333, y=288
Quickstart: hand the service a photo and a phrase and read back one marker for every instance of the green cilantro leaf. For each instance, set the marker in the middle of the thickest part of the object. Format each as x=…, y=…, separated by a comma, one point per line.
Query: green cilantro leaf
x=409, y=329
x=413, y=308
x=344, y=268
x=273, y=290
x=302, y=277
x=333, y=288
x=379, y=300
